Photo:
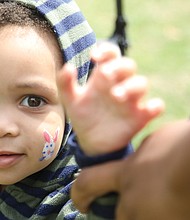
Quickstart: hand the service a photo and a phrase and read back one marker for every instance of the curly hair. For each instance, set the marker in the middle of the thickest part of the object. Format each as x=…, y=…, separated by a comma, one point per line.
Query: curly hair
x=14, y=13
x=17, y=14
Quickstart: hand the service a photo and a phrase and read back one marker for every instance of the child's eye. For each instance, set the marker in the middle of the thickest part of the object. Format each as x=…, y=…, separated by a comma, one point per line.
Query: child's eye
x=33, y=101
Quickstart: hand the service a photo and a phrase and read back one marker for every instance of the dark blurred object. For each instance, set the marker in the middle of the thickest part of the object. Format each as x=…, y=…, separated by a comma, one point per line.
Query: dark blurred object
x=119, y=36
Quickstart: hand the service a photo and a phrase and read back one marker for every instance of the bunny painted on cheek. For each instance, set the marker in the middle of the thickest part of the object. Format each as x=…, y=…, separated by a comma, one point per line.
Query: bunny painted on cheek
x=49, y=145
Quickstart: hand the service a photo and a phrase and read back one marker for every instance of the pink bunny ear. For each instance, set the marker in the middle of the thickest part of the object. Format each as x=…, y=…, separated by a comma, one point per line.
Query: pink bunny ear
x=56, y=134
x=47, y=136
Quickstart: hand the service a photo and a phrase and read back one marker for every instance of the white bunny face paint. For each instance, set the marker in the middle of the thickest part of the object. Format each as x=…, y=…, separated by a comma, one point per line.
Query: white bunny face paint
x=49, y=145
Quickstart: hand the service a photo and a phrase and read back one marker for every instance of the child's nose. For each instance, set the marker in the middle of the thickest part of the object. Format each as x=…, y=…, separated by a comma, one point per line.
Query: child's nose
x=8, y=126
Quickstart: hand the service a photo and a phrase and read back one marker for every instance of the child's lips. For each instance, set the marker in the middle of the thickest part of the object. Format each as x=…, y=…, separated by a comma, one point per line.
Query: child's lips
x=8, y=159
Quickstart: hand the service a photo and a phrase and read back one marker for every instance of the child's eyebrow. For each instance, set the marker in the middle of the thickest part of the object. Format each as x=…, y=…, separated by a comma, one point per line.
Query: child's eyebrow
x=38, y=86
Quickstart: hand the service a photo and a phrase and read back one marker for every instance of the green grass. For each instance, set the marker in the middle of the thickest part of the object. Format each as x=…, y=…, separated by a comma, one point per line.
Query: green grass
x=159, y=34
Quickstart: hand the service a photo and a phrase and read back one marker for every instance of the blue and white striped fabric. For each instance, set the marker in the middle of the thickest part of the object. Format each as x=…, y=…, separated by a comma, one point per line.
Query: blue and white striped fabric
x=43, y=195
x=74, y=34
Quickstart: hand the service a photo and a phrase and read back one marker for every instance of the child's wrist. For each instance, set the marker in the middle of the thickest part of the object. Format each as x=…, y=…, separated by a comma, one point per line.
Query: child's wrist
x=93, y=147
x=84, y=160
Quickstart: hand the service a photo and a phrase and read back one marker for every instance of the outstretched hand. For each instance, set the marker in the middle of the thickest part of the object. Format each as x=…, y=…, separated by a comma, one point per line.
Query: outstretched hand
x=108, y=110
x=153, y=183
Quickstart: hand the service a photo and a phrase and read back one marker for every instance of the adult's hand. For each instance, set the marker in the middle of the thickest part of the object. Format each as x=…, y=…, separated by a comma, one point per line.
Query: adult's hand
x=153, y=183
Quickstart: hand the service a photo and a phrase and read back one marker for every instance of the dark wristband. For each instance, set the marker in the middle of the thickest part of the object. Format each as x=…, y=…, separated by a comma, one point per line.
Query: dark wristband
x=83, y=160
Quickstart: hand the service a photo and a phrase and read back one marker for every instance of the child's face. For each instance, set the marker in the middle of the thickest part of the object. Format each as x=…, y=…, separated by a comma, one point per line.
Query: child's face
x=31, y=114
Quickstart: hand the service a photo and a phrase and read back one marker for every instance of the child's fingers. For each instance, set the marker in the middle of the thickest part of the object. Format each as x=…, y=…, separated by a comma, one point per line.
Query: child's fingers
x=118, y=69
x=153, y=107
x=131, y=89
x=109, y=74
x=150, y=109
x=113, y=72
x=67, y=82
x=105, y=51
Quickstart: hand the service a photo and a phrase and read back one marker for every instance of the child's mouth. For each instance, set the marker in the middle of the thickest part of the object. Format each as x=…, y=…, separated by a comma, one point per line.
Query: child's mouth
x=9, y=159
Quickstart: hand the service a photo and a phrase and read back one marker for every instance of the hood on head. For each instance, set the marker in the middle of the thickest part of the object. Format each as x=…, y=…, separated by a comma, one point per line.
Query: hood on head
x=71, y=29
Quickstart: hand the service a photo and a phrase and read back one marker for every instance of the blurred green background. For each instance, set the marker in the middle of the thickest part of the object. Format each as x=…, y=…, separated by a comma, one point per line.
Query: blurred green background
x=159, y=35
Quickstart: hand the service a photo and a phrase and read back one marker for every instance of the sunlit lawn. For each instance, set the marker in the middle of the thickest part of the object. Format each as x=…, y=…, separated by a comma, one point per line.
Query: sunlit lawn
x=159, y=34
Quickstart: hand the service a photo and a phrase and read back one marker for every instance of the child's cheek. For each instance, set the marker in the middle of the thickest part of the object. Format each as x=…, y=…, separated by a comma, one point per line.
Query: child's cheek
x=50, y=142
